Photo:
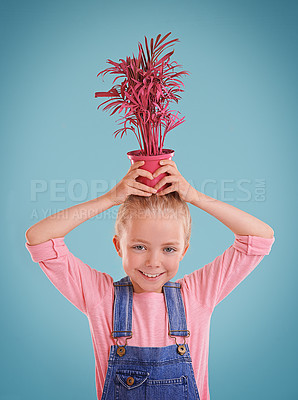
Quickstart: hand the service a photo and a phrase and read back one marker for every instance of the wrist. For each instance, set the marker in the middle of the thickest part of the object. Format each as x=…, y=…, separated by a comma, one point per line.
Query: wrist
x=110, y=199
x=199, y=199
x=105, y=201
x=193, y=196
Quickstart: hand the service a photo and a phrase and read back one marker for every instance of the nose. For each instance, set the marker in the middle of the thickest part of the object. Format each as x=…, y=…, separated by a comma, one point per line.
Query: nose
x=153, y=259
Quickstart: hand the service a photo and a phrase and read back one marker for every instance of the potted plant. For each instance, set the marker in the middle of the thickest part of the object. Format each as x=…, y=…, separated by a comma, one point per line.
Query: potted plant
x=144, y=94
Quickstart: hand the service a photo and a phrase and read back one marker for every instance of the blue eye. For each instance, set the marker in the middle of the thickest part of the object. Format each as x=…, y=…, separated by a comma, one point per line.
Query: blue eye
x=171, y=249
x=139, y=245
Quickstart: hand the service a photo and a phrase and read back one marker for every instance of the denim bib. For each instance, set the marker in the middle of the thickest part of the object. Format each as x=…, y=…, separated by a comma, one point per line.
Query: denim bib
x=151, y=373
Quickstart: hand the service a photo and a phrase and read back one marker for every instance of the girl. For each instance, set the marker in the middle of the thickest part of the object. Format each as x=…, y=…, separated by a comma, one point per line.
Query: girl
x=150, y=333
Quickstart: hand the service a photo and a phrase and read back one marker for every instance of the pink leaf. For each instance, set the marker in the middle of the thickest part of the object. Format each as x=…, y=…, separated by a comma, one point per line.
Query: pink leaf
x=147, y=87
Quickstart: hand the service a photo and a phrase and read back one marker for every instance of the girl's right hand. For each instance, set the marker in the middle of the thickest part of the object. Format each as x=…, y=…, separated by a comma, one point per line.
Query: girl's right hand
x=128, y=185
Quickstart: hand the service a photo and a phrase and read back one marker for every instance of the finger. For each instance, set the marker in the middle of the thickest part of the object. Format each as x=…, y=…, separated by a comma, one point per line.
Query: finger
x=140, y=193
x=166, y=191
x=141, y=186
x=136, y=165
x=165, y=168
x=142, y=172
x=163, y=181
x=168, y=162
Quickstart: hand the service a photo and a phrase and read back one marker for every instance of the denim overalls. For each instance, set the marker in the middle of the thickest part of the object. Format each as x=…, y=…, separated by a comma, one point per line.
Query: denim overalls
x=151, y=373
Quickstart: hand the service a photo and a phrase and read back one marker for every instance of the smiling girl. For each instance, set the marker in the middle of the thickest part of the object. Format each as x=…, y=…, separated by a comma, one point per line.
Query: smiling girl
x=166, y=322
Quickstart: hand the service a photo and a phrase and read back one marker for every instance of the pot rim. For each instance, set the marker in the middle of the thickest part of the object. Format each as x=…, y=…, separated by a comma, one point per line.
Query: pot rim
x=135, y=154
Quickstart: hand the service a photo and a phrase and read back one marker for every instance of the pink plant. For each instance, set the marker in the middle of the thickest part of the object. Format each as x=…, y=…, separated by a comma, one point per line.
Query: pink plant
x=145, y=94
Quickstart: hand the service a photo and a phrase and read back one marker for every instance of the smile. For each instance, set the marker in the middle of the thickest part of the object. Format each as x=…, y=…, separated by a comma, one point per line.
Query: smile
x=150, y=276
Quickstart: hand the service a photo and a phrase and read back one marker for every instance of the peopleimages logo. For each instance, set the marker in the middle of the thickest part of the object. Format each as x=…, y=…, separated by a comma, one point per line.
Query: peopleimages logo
x=77, y=190
x=80, y=190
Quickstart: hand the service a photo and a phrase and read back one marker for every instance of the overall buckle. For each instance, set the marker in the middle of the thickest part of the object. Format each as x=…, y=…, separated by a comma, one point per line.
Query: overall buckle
x=121, y=349
x=181, y=347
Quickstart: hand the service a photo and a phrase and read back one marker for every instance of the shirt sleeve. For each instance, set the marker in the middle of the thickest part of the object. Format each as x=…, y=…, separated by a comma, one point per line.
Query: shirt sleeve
x=82, y=285
x=212, y=283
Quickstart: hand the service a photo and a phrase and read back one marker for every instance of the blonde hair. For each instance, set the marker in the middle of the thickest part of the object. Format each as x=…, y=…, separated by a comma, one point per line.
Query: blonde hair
x=167, y=206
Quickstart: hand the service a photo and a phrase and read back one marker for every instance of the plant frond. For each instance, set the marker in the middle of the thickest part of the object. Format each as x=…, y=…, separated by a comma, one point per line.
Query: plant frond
x=148, y=85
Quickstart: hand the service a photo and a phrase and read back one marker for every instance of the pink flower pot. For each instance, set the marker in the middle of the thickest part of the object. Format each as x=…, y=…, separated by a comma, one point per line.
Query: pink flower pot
x=151, y=165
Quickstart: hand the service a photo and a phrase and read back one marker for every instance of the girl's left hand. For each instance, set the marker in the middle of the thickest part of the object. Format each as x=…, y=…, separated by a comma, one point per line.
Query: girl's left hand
x=178, y=183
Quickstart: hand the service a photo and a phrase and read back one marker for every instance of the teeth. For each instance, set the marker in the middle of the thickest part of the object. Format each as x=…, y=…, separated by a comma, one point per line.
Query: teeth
x=150, y=276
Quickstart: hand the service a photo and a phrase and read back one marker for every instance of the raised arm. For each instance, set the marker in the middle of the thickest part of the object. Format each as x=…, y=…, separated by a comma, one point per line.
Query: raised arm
x=240, y=222
x=61, y=223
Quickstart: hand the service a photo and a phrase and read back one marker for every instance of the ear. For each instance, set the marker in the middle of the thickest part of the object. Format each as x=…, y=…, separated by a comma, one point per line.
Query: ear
x=116, y=242
x=184, y=251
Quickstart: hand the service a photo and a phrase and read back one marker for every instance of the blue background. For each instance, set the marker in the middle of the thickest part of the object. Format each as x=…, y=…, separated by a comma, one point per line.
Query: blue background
x=240, y=108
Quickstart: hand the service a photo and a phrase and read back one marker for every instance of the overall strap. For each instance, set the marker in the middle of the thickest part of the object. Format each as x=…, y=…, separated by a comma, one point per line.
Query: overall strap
x=175, y=306
x=123, y=297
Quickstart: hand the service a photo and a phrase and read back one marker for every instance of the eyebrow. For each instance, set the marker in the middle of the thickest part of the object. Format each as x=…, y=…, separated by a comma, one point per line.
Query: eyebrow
x=164, y=244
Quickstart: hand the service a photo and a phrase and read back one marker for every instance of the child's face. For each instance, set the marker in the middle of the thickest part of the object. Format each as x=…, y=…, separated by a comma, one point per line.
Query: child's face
x=153, y=246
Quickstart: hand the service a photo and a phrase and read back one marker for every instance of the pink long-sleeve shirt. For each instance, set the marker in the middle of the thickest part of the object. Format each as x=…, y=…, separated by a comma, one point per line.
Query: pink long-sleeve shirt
x=92, y=292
